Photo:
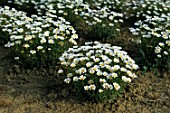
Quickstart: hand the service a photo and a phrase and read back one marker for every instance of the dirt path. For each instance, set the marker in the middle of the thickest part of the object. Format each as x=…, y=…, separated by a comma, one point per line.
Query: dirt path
x=32, y=91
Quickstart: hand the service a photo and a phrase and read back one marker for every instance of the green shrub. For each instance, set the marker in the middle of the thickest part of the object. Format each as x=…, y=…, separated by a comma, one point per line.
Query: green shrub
x=97, y=71
x=153, y=37
x=139, y=10
x=6, y=18
x=37, y=41
x=88, y=17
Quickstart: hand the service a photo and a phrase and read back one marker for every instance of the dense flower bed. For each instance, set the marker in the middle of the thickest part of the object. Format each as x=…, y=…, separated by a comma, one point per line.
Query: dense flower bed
x=152, y=31
x=98, y=70
x=45, y=36
x=154, y=37
x=36, y=40
x=98, y=20
x=142, y=8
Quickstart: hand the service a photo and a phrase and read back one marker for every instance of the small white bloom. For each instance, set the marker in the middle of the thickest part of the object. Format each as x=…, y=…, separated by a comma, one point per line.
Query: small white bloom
x=32, y=52
x=114, y=75
x=99, y=73
x=16, y=58
x=105, y=86
x=159, y=56
x=73, y=65
x=20, y=30
x=27, y=38
x=115, y=68
x=82, y=70
x=75, y=78
x=108, y=61
x=168, y=42
x=59, y=37
x=67, y=80
x=60, y=71
x=88, y=54
x=125, y=79
x=26, y=45
x=51, y=41
x=96, y=60
x=92, y=87
x=100, y=90
x=116, y=86
x=165, y=52
x=108, y=67
x=161, y=44
x=86, y=88
x=105, y=73
x=109, y=76
x=89, y=64
x=110, y=87
x=40, y=47
x=82, y=77
x=128, y=66
x=47, y=33
x=102, y=64
x=158, y=49
x=102, y=80
x=123, y=69
x=74, y=36
x=116, y=60
x=111, y=24
x=95, y=68
x=111, y=17
x=43, y=40
x=91, y=71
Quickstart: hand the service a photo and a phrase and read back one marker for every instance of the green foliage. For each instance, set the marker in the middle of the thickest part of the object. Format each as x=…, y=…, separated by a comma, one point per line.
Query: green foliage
x=4, y=38
x=102, y=18
x=153, y=34
x=139, y=10
x=98, y=71
x=101, y=32
x=37, y=41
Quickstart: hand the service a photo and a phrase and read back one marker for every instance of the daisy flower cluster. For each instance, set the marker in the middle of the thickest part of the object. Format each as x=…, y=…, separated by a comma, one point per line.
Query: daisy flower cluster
x=36, y=40
x=99, y=70
x=100, y=18
x=7, y=16
x=95, y=10
x=155, y=37
x=32, y=6
x=94, y=16
x=142, y=8
x=98, y=12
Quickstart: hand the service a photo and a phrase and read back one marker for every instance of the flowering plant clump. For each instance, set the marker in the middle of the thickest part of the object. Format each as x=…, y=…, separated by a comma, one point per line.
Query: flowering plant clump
x=98, y=18
x=4, y=22
x=99, y=71
x=101, y=18
x=154, y=39
x=141, y=8
x=24, y=5
x=36, y=40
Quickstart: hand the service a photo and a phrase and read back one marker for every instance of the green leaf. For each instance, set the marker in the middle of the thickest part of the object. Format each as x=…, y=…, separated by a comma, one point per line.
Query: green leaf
x=142, y=52
x=145, y=68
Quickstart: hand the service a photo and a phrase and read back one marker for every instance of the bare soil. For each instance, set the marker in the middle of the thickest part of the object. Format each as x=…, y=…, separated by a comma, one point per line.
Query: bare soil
x=43, y=91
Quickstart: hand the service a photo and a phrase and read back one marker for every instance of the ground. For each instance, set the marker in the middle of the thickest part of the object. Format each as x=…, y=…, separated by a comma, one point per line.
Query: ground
x=42, y=91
